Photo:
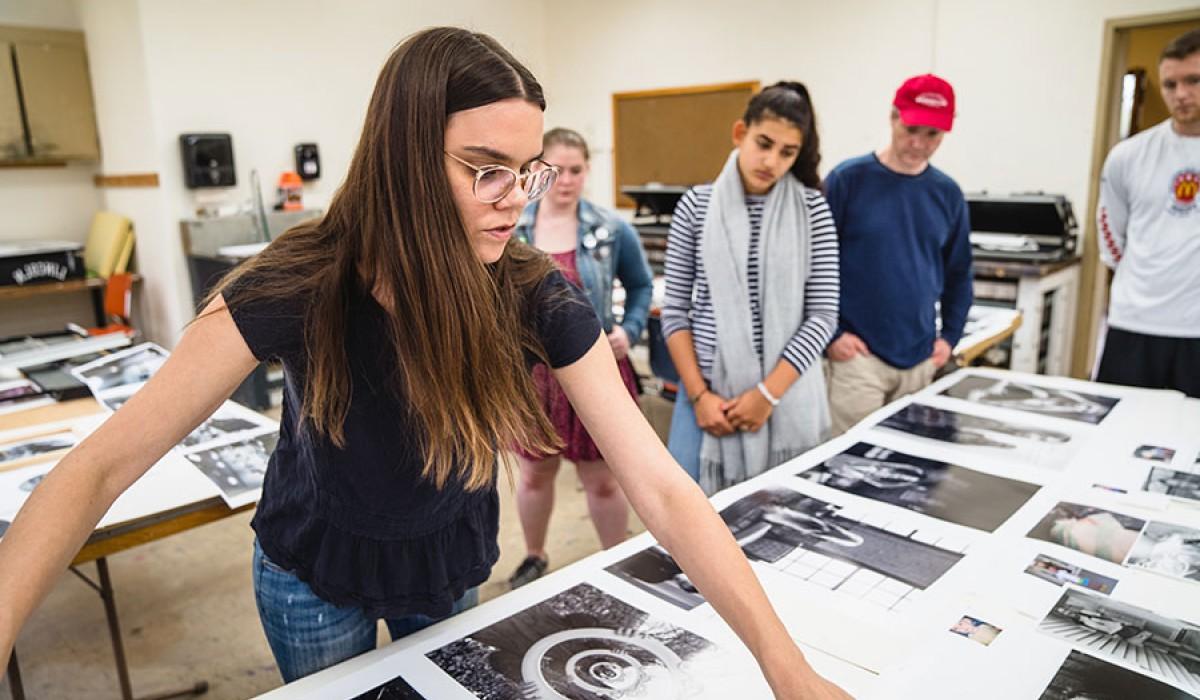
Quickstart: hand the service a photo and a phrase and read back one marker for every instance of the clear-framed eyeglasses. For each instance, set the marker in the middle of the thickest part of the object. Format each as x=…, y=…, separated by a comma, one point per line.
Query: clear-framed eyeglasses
x=494, y=182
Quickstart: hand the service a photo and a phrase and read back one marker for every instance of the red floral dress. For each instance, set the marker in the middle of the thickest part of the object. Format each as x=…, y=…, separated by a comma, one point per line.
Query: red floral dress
x=579, y=445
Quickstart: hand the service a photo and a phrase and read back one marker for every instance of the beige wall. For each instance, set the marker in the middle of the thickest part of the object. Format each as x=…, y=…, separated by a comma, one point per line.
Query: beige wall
x=277, y=72
x=1026, y=72
x=272, y=73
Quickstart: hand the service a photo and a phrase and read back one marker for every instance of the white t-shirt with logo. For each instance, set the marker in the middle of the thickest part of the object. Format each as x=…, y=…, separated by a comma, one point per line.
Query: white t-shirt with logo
x=1148, y=223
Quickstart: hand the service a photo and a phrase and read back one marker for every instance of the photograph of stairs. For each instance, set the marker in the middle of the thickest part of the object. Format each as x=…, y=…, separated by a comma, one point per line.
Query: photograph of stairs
x=1164, y=647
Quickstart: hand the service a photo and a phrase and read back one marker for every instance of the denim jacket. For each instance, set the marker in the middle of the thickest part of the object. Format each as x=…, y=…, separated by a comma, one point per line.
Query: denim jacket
x=607, y=249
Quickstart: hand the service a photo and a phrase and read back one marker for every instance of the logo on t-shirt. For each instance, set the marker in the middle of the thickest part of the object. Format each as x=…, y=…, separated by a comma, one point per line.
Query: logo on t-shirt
x=1185, y=187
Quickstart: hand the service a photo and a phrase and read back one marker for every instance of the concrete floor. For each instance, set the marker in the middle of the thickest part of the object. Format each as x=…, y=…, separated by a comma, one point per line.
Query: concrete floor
x=187, y=610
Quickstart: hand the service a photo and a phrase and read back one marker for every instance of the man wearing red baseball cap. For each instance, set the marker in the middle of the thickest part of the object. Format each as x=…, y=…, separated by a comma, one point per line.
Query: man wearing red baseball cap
x=904, y=247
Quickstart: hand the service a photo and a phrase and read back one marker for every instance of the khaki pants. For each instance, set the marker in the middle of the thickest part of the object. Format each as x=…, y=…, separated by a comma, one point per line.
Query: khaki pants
x=864, y=384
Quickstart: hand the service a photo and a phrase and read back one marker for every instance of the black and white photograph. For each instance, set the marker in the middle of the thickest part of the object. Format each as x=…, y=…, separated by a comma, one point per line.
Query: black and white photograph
x=1095, y=531
x=1059, y=572
x=237, y=468
x=222, y=423
x=395, y=689
x=31, y=483
x=771, y=523
x=1171, y=550
x=131, y=366
x=581, y=644
x=1164, y=647
x=1154, y=453
x=1174, y=483
x=927, y=486
x=1023, y=396
x=30, y=449
x=1043, y=447
x=1084, y=677
x=654, y=571
x=114, y=400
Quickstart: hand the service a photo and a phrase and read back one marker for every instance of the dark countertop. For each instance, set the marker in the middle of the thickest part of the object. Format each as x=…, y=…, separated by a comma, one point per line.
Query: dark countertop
x=1019, y=268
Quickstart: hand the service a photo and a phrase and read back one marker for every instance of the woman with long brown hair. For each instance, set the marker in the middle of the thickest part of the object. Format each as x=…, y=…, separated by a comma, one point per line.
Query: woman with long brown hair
x=406, y=320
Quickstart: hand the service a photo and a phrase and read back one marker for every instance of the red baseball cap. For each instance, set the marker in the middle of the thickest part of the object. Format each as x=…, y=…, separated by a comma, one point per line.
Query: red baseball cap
x=926, y=100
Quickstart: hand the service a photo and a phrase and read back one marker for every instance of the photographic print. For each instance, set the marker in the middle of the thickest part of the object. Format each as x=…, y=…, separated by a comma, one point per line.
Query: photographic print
x=1164, y=647
x=20, y=394
x=581, y=644
x=132, y=366
x=771, y=523
x=1095, y=531
x=976, y=630
x=237, y=468
x=1173, y=483
x=34, y=448
x=395, y=689
x=1083, y=677
x=1171, y=550
x=113, y=403
x=654, y=571
x=1058, y=572
x=226, y=421
x=937, y=489
x=1022, y=396
x=809, y=539
x=1154, y=453
x=31, y=483
x=1043, y=447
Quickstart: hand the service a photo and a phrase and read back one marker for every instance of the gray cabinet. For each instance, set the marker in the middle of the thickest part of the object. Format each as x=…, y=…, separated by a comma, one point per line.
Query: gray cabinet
x=47, y=112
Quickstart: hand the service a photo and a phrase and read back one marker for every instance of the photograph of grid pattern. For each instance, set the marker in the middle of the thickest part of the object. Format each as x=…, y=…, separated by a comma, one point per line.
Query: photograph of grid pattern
x=859, y=582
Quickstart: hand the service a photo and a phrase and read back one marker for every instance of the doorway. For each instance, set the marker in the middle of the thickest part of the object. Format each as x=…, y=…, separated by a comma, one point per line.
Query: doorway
x=1129, y=102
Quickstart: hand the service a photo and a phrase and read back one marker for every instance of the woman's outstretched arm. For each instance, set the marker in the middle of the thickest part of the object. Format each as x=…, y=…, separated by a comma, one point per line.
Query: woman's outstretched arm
x=677, y=513
x=209, y=363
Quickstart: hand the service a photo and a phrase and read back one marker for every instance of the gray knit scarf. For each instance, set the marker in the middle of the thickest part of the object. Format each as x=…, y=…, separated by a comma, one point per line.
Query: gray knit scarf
x=801, y=420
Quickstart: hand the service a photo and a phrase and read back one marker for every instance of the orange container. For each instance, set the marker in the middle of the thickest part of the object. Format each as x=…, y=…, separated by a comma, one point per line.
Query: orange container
x=289, y=192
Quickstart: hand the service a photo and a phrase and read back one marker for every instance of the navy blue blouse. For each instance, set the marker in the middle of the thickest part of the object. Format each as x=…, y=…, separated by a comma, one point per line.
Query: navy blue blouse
x=360, y=525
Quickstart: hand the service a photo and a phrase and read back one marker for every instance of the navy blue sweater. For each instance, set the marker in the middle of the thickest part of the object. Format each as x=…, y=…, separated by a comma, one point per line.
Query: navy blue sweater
x=905, y=245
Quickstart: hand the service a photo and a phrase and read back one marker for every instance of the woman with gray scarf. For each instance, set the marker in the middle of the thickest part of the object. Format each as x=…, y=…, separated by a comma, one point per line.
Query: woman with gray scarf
x=752, y=298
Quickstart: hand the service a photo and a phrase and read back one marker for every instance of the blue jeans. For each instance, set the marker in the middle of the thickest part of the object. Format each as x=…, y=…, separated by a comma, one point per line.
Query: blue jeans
x=307, y=634
x=685, y=437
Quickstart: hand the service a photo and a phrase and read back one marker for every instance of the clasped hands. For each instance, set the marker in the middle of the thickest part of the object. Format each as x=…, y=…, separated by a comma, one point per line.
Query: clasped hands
x=719, y=416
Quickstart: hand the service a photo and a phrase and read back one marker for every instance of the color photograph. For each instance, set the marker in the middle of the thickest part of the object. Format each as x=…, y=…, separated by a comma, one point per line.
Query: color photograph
x=1095, y=531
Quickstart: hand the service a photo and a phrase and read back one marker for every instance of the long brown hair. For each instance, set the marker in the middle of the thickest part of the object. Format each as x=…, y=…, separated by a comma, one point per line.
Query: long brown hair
x=459, y=328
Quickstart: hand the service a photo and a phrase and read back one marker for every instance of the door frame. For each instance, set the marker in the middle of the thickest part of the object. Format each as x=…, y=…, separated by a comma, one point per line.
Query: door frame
x=1093, y=282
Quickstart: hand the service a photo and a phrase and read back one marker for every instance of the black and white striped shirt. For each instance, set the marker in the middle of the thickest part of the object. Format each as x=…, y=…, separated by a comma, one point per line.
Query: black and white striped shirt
x=688, y=305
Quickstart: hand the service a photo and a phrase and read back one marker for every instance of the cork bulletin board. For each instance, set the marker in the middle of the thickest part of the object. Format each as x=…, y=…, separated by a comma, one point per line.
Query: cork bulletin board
x=674, y=136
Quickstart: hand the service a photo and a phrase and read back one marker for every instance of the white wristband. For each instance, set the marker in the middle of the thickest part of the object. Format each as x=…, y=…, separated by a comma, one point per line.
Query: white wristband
x=762, y=389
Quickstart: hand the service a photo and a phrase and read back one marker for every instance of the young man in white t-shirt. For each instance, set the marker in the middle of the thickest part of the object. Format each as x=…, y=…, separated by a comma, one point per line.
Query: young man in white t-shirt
x=1149, y=230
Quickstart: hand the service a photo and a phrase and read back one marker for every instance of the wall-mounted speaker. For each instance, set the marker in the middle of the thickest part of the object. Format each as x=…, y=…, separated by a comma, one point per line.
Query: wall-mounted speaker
x=207, y=160
x=308, y=161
